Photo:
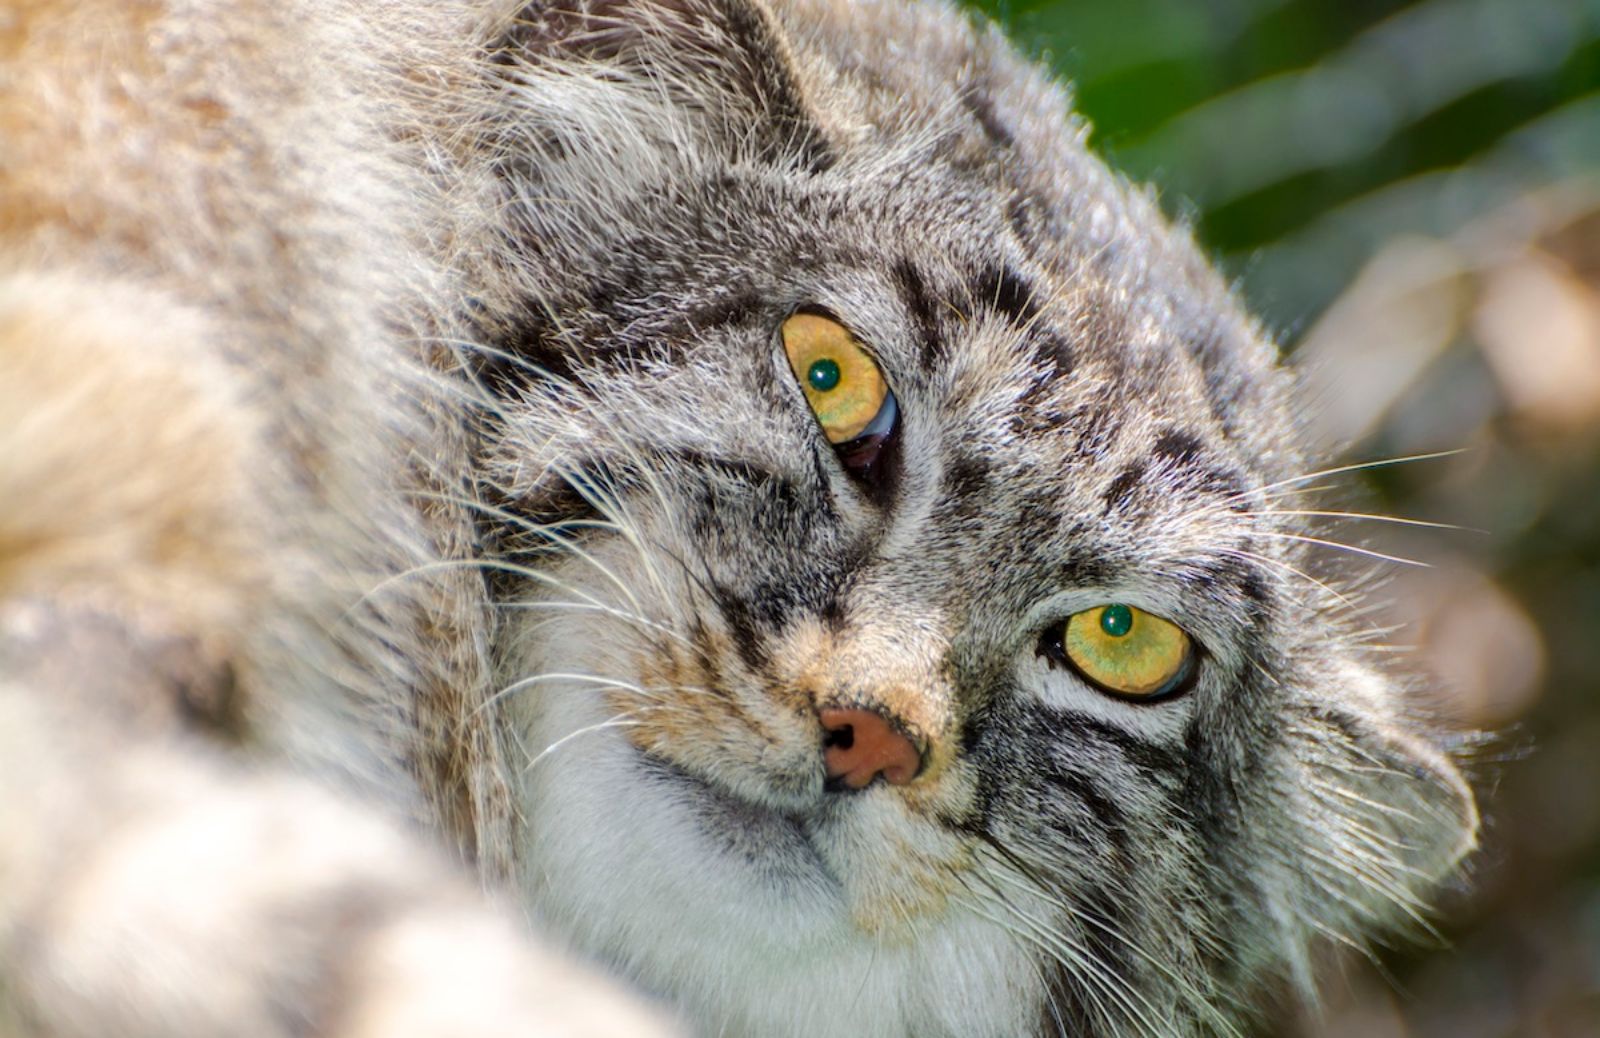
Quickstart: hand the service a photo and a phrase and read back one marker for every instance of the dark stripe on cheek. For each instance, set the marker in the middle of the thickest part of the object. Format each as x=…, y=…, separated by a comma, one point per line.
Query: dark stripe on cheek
x=523, y=354
x=737, y=308
x=745, y=628
x=1210, y=799
x=1110, y=822
x=1153, y=759
x=531, y=349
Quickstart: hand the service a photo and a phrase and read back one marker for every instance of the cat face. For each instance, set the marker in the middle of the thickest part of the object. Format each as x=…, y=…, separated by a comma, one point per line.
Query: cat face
x=993, y=699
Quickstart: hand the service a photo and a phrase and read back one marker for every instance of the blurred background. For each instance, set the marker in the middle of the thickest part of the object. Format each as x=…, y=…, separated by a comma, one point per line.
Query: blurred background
x=1409, y=194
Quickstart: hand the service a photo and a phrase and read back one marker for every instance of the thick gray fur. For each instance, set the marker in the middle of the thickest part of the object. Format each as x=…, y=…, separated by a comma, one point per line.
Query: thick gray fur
x=1086, y=412
x=469, y=492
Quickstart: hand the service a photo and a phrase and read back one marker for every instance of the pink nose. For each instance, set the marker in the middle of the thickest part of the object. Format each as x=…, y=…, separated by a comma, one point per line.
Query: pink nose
x=860, y=745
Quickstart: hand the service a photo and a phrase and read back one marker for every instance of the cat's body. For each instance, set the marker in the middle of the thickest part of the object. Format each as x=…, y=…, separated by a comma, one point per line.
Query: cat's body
x=403, y=403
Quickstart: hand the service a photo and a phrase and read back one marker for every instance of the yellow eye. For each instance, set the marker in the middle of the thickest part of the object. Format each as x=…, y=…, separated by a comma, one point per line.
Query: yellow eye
x=1127, y=651
x=844, y=387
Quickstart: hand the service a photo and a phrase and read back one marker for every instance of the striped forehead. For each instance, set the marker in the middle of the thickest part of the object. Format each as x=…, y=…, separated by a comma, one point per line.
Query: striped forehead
x=1075, y=368
x=1080, y=435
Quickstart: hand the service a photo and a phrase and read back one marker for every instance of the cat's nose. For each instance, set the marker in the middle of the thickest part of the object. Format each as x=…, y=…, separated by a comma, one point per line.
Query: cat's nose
x=859, y=745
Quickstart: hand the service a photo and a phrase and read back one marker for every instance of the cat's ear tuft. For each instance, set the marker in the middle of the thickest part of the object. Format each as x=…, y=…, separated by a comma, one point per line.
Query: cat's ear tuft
x=727, y=60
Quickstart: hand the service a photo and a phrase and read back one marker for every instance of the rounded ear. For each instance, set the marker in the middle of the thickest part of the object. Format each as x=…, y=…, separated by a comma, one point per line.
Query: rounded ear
x=1387, y=812
x=728, y=60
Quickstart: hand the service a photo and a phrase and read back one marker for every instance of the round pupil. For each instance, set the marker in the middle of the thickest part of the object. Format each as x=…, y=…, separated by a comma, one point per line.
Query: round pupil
x=1116, y=620
x=823, y=374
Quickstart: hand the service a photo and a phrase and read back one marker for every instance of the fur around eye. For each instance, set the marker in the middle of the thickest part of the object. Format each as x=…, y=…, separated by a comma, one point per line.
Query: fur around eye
x=1125, y=652
x=843, y=386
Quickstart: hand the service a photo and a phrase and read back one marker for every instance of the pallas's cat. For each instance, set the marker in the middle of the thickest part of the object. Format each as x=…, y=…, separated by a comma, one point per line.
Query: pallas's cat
x=742, y=478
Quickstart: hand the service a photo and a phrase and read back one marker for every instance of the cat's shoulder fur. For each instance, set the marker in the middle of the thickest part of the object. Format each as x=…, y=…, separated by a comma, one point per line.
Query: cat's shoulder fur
x=225, y=696
x=272, y=278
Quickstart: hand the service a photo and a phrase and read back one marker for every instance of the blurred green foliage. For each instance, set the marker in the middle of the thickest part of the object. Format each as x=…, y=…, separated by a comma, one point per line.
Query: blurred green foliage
x=1287, y=127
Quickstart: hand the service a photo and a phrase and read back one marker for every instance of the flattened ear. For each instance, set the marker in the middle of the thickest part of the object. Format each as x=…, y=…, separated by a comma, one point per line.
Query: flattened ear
x=1391, y=810
x=729, y=60
x=1434, y=816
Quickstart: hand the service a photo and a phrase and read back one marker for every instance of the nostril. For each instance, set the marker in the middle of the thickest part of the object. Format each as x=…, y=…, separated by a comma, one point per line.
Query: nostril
x=843, y=737
x=859, y=745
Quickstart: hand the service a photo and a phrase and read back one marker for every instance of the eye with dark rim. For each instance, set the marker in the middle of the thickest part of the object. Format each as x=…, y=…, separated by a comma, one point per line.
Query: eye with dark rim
x=845, y=389
x=1124, y=652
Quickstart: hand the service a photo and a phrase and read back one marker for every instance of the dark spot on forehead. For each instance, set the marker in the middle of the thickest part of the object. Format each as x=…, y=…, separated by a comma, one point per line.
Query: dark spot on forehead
x=1007, y=293
x=920, y=304
x=1253, y=587
x=1234, y=579
x=1179, y=446
x=1022, y=216
x=1083, y=568
x=1122, y=486
x=1183, y=454
x=1054, y=349
x=980, y=106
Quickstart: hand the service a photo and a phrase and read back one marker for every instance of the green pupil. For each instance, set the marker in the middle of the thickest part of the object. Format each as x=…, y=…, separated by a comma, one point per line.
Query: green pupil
x=1116, y=620
x=823, y=374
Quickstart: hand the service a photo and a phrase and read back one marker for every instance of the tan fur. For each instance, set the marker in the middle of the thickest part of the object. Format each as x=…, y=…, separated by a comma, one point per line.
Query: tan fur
x=216, y=425
x=91, y=395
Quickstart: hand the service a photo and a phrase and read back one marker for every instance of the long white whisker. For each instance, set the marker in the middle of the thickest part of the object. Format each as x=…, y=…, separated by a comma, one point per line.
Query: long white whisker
x=559, y=605
x=621, y=720
x=591, y=680
x=568, y=546
x=1341, y=546
x=1343, y=599
x=607, y=502
x=1395, y=519
x=1356, y=467
x=1195, y=998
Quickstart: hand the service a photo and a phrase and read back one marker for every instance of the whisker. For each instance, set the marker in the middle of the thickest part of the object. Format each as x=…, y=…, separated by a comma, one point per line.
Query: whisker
x=551, y=532
x=1395, y=519
x=1059, y=950
x=521, y=684
x=1343, y=599
x=1038, y=888
x=604, y=499
x=620, y=720
x=1359, y=466
x=1341, y=546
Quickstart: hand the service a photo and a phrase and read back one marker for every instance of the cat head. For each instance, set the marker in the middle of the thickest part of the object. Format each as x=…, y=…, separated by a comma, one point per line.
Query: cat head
x=905, y=625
